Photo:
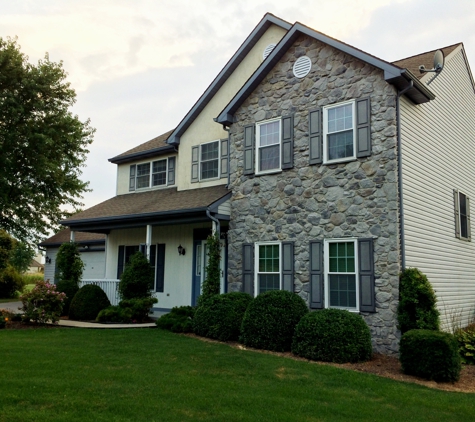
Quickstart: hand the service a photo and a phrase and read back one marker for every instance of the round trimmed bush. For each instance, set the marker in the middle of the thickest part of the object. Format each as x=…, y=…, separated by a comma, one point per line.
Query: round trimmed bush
x=429, y=354
x=69, y=288
x=332, y=335
x=270, y=320
x=178, y=320
x=88, y=302
x=220, y=316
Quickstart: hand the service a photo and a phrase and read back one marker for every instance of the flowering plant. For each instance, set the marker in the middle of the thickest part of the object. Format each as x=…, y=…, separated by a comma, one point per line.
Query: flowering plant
x=43, y=303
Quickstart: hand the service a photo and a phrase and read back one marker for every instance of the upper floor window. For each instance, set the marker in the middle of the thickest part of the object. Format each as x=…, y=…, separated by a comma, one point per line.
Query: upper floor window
x=268, y=145
x=152, y=174
x=209, y=160
x=339, y=132
x=462, y=216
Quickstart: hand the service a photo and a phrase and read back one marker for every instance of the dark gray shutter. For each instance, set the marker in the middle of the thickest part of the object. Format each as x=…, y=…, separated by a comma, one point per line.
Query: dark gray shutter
x=288, y=266
x=160, y=268
x=120, y=261
x=248, y=268
x=132, y=177
x=469, y=231
x=195, y=162
x=143, y=249
x=315, y=136
x=224, y=162
x=316, y=275
x=457, y=214
x=363, y=128
x=287, y=146
x=249, y=149
x=171, y=170
x=366, y=275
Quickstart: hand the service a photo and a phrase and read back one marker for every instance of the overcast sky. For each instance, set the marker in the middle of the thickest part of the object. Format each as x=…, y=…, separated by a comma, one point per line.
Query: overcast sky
x=138, y=66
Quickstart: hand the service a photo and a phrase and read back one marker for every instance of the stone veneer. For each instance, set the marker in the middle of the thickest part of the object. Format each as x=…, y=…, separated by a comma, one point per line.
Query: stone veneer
x=354, y=199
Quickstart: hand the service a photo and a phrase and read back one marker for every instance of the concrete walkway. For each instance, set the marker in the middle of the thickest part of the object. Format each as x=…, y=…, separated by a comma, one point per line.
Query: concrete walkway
x=11, y=306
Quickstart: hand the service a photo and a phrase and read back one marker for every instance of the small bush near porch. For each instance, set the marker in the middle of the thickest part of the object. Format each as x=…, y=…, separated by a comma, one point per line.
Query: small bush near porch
x=153, y=375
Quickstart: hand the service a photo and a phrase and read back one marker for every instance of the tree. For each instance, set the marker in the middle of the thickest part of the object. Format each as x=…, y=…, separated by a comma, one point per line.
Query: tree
x=6, y=246
x=21, y=256
x=42, y=145
x=136, y=282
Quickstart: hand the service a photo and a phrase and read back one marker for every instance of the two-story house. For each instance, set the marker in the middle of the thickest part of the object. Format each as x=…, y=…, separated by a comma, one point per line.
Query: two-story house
x=326, y=169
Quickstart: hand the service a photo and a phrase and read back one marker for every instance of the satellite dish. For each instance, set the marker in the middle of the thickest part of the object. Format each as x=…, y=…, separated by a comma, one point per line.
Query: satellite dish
x=439, y=60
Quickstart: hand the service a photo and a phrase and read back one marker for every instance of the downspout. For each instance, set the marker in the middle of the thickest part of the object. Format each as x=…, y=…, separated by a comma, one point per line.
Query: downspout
x=399, y=175
x=216, y=221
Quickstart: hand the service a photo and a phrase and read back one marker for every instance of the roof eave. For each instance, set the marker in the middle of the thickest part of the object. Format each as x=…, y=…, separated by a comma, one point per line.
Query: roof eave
x=142, y=154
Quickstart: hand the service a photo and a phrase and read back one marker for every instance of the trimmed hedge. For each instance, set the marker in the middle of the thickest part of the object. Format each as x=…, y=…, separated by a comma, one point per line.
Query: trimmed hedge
x=69, y=288
x=178, y=320
x=140, y=308
x=270, y=320
x=433, y=355
x=220, y=316
x=333, y=335
x=88, y=302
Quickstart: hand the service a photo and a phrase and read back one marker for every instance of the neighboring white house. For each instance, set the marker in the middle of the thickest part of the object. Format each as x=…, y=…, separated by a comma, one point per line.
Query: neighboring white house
x=326, y=170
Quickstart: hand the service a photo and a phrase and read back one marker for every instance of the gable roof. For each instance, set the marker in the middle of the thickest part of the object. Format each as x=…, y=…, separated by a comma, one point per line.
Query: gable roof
x=35, y=264
x=393, y=74
x=155, y=146
x=159, y=206
x=228, y=69
x=64, y=236
x=427, y=59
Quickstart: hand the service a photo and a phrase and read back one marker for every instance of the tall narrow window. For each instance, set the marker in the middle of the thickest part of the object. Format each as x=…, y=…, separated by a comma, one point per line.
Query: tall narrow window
x=159, y=173
x=209, y=160
x=268, y=267
x=341, y=274
x=268, y=146
x=462, y=216
x=339, y=139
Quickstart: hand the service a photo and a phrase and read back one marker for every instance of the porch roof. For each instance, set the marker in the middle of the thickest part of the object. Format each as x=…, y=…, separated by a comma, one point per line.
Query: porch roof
x=155, y=207
x=64, y=236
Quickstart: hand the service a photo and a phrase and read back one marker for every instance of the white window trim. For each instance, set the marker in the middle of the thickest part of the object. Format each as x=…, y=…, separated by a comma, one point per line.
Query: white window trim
x=200, y=161
x=325, y=133
x=150, y=179
x=256, y=264
x=326, y=266
x=258, y=133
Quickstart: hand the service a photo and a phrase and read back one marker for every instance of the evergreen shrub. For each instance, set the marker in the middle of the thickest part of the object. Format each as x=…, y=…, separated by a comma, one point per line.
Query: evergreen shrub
x=270, y=319
x=139, y=308
x=178, y=320
x=115, y=314
x=466, y=341
x=220, y=316
x=332, y=335
x=88, y=302
x=11, y=283
x=69, y=288
x=136, y=282
x=429, y=354
x=417, y=302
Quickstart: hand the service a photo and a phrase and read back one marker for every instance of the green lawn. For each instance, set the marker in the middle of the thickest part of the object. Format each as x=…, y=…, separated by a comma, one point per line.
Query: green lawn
x=154, y=375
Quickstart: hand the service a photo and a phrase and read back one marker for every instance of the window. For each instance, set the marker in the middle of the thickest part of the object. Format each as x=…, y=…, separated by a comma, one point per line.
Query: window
x=159, y=173
x=267, y=267
x=268, y=146
x=209, y=160
x=462, y=216
x=152, y=174
x=339, y=132
x=341, y=284
x=143, y=176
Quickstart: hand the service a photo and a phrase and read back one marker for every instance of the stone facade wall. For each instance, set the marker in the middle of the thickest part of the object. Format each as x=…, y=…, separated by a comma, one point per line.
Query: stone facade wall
x=354, y=199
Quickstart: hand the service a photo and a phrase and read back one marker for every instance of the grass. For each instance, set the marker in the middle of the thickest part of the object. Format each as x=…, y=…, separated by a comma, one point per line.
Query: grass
x=154, y=375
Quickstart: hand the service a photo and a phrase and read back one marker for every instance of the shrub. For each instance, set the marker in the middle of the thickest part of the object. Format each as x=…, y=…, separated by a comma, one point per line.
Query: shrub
x=32, y=278
x=43, y=303
x=69, y=263
x=466, y=342
x=332, y=335
x=115, y=314
x=416, y=309
x=270, y=320
x=136, y=281
x=2, y=321
x=139, y=308
x=88, y=302
x=178, y=320
x=70, y=288
x=10, y=283
x=220, y=316
x=430, y=354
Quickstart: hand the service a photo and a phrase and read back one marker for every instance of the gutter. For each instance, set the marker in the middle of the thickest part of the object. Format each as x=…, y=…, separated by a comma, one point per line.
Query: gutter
x=399, y=175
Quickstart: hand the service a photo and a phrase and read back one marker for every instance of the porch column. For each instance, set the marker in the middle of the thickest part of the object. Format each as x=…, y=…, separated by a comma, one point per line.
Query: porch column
x=106, y=247
x=72, y=236
x=213, y=227
x=148, y=240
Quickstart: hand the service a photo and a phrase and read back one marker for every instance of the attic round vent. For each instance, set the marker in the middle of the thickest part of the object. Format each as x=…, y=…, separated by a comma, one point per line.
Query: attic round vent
x=302, y=66
x=267, y=51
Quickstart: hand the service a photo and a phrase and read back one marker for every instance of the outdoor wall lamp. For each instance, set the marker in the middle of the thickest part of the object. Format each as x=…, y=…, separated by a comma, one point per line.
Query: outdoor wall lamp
x=48, y=260
x=181, y=250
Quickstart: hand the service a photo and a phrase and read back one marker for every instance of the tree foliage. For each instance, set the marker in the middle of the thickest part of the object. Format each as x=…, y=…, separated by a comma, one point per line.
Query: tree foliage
x=6, y=246
x=69, y=263
x=21, y=256
x=42, y=144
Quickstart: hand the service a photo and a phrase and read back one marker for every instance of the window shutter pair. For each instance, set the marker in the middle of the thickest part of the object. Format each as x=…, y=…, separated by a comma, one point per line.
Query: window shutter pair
x=170, y=169
x=287, y=267
x=286, y=145
x=366, y=275
x=363, y=131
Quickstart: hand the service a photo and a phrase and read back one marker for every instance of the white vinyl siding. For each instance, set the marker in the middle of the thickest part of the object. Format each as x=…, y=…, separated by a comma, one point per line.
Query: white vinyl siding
x=438, y=152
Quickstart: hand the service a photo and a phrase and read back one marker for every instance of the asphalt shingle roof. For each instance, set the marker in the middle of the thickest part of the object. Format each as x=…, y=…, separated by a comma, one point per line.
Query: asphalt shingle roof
x=64, y=236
